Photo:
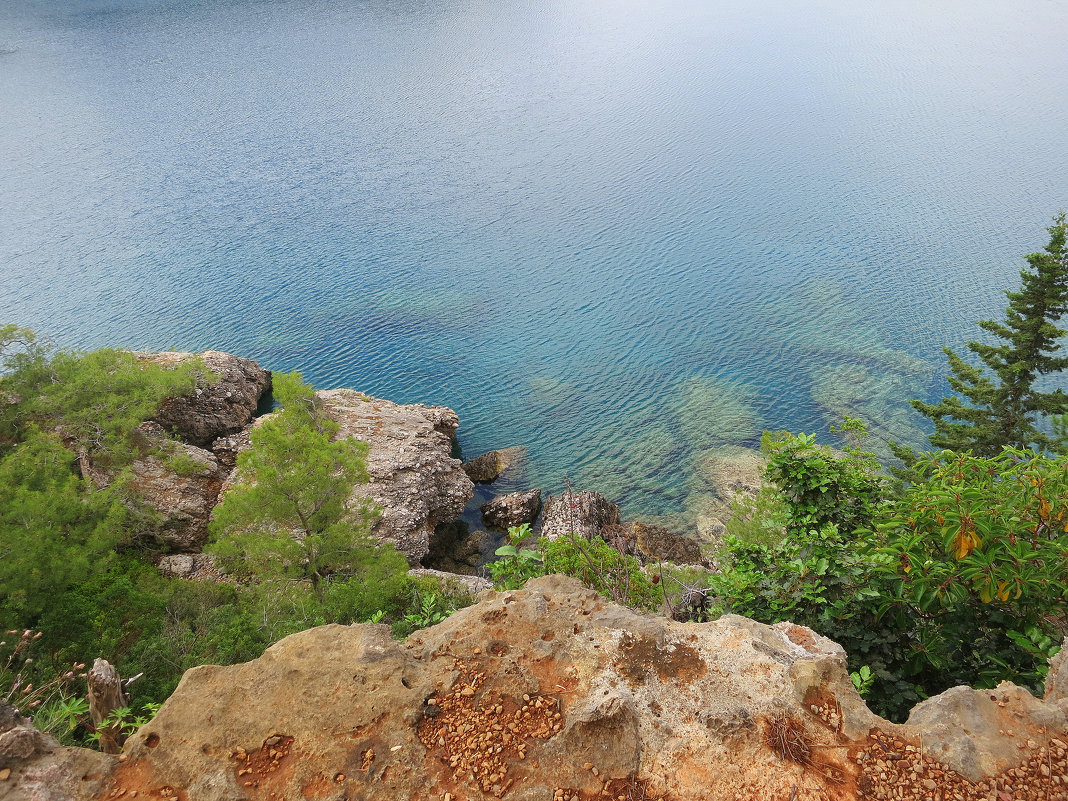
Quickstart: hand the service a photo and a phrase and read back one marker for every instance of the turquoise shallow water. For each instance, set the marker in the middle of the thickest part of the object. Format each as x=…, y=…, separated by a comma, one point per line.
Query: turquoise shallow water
x=620, y=233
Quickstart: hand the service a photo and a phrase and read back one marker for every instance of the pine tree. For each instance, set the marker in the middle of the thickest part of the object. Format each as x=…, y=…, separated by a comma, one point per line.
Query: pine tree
x=998, y=405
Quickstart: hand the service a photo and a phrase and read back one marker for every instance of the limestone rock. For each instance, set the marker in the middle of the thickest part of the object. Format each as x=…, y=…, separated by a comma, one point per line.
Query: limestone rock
x=19, y=740
x=552, y=687
x=1057, y=678
x=454, y=582
x=180, y=482
x=190, y=566
x=34, y=767
x=215, y=409
x=979, y=732
x=582, y=513
x=488, y=467
x=513, y=509
x=413, y=477
x=228, y=448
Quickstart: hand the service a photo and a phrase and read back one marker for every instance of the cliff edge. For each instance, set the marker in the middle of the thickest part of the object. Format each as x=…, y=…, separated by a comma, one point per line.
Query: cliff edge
x=551, y=692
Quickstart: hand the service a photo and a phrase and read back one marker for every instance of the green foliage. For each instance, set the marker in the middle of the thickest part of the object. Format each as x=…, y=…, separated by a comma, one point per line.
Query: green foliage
x=958, y=579
x=292, y=514
x=601, y=567
x=1002, y=407
x=381, y=585
x=95, y=400
x=123, y=722
x=759, y=518
x=862, y=680
x=183, y=464
x=832, y=582
x=596, y=563
x=818, y=487
x=62, y=718
x=981, y=552
x=517, y=564
x=55, y=531
x=37, y=690
x=427, y=613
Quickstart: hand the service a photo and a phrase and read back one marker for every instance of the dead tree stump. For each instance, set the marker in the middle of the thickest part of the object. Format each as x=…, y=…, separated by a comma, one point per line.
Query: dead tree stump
x=106, y=694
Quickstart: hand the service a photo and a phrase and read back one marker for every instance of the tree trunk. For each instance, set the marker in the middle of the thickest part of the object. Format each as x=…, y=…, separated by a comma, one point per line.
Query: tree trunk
x=105, y=696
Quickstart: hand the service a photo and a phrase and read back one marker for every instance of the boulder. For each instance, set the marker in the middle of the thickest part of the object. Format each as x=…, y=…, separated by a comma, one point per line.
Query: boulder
x=190, y=566
x=582, y=513
x=456, y=548
x=553, y=692
x=513, y=509
x=488, y=467
x=34, y=767
x=453, y=583
x=968, y=728
x=180, y=482
x=219, y=407
x=413, y=478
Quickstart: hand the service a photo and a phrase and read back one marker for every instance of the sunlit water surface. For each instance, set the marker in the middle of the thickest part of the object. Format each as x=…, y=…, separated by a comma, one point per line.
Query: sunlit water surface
x=623, y=234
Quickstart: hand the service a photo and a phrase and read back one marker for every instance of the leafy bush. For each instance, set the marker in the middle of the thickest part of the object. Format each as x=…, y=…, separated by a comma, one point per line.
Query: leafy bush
x=517, y=564
x=958, y=579
x=980, y=556
x=820, y=488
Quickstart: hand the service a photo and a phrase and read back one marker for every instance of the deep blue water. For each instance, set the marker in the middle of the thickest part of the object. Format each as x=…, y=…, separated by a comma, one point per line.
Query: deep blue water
x=620, y=233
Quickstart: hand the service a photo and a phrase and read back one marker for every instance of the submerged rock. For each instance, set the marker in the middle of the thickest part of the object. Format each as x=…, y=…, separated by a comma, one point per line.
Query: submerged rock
x=582, y=513
x=552, y=688
x=488, y=467
x=513, y=509
x=216, y=408
x=655, y=543
x=413, y=478
x=733, y=472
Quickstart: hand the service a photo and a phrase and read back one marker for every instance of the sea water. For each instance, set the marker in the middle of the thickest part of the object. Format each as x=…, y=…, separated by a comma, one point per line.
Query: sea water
x=623, y=234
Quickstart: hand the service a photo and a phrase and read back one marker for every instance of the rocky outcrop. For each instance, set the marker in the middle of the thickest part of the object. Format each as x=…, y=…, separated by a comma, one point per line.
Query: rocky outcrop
x=191, y=566
x=488, y=467
x=513, y=509
x=582, y=513
x=452, y=583
x=222, y=404
x=228, y=448
x=553, y=693
x=179, y=482
x=413, y=478
x=34, y=767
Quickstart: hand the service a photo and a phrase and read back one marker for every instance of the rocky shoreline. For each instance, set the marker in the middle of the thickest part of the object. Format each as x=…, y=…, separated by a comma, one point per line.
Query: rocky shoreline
x=549, y=692
x=414, y=479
